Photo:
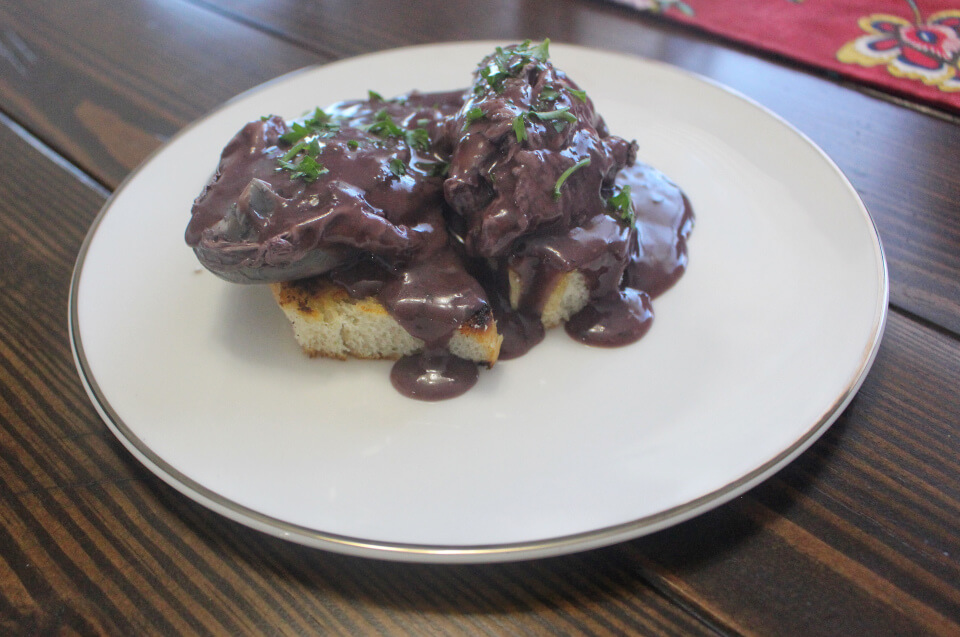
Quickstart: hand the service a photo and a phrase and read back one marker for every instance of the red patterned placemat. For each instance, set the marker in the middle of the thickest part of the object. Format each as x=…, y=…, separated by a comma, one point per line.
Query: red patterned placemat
x=907, y=47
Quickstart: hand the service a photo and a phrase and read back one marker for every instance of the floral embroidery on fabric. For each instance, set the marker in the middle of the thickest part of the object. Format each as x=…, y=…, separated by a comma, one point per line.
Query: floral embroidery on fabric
x=927, y=51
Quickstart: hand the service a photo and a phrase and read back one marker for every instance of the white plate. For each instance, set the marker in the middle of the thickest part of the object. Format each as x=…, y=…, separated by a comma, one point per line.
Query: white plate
x=751, y=357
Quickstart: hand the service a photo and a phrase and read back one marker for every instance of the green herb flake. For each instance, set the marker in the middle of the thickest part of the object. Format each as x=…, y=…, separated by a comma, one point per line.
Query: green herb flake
x=579, y=94
x=622, y=204
x=375, y=97
x=494, y=75
x=473, y=115
x=384, y=126
x=541, y=52
x=520, y=127
x=560, y=117
x=419, y=138
x=397, y=167
x=434, y=168
x=297, y=132
x=319, y=118
x=566, y=174
x=318, y=124
x=507, y=63
x=561, y=114
x=353, y=144
x=290, y=154
x=308, y=168
x=549, y=94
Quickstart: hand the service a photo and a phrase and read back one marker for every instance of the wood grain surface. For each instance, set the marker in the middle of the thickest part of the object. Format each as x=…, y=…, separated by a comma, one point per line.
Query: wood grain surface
x=892, y=155
x=857, y=536
x=106, y=83
x=112, y=119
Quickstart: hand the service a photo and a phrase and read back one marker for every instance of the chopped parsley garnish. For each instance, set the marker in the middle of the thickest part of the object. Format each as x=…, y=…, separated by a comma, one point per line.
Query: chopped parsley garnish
x=297, y=132
x=320, y=118
x=397, y=167
x=320, y=123
x=473, y=115
x=384, y=126
x=566, y=174
x=540, y=52
x=549, y=94
x=507, y=63
x=290, y=154
x=307, y=167
x=353, y=144
x=622, y=204
x=374, y=96
x=498, y=70
x=562, y=114
x=520, y=127
x=418, y=138
x=559, y=117
x=434, y=168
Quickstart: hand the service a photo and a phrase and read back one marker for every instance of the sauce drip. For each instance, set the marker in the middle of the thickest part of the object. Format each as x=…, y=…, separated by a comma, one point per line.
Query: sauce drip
x=433, y=375
x=614, y=321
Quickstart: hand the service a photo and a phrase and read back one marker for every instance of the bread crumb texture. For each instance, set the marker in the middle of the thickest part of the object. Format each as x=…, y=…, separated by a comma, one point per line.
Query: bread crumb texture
x=328, y=322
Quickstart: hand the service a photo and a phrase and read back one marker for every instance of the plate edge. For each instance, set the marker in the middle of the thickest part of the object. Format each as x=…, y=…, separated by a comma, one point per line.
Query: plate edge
x=469, y=553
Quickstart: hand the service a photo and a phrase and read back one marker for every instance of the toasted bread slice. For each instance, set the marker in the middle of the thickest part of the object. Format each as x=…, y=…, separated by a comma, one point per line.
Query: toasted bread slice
x=328, y=322
x=569, y=296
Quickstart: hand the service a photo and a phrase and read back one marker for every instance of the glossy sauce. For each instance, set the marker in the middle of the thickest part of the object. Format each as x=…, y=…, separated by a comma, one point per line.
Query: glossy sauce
x=530, y=172
x=433, y=375
x=619, y=319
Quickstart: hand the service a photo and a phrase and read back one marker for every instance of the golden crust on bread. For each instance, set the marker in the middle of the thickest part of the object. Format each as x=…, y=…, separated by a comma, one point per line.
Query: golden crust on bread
x=328, y=322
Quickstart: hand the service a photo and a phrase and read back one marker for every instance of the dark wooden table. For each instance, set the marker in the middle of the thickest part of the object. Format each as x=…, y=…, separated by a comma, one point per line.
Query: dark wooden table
x=859, y=536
